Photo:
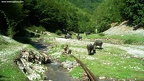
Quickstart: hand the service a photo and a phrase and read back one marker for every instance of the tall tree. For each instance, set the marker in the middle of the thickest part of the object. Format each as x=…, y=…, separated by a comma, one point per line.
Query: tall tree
x=134, y=11
x=10, y=13
x=108, y=12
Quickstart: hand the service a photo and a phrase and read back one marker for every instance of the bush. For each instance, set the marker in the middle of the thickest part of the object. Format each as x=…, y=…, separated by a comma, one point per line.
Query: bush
x=58, y=32
x=101, y=34
x=128, y=41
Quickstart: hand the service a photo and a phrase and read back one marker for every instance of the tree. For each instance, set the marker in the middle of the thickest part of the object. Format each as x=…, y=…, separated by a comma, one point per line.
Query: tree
x=107, y=12
x=10, y=13
x=134, y=11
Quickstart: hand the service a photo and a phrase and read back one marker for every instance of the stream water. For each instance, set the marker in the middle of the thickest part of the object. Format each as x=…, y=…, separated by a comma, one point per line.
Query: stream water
x=55, y=70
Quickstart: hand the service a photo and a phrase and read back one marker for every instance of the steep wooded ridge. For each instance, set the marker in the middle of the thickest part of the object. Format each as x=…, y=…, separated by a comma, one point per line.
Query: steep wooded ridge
x=78, y=16
x=87, y=5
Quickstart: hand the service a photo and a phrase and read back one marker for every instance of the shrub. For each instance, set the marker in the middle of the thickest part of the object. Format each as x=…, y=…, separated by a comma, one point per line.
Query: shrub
x=101, y=34
x=58, y=32
x=128, y=41
x=11, y=25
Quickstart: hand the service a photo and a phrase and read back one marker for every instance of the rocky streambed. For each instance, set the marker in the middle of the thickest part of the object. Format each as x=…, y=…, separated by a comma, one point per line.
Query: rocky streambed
x=38, y=65
x=32, y=64
x=56, y=70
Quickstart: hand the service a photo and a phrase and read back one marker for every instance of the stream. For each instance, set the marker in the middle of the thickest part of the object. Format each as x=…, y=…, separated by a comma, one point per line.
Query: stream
x=55, y=71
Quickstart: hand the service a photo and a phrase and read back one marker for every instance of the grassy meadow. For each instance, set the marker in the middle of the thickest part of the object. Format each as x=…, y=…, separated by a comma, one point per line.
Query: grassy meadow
x=110, y=62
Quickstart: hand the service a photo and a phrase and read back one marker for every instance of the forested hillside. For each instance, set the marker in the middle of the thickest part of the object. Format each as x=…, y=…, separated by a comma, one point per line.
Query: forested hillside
x=87, y=5
x=73, y=15
x=110, y=11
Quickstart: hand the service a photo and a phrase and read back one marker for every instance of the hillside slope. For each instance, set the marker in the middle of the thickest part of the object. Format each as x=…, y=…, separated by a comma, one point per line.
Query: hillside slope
x=123, y=29
x=13, y=66
x=9, y=50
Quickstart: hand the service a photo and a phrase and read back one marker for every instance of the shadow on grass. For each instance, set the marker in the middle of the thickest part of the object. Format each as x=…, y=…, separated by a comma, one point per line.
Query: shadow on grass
x=39, y=45
x=4, y=78
x=99, y=48
x=94, y=51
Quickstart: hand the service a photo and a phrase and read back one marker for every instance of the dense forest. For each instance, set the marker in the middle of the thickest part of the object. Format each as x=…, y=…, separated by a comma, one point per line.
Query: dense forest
x=73, y=15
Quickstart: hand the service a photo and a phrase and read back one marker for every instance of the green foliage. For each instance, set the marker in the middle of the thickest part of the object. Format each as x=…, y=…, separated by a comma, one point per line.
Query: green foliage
x=10, y=71
x=37, y=29
x=58, y=14
x=107, y=12
x=58, y=32
x=11, y=25
x=101, y=34
x=77, y=72
x=62, y=58
x=87, y=5
x=134, y=11
x=13, y=11
x=73, y=15
x=102, y=26
x=128, y=41
x=11, y=28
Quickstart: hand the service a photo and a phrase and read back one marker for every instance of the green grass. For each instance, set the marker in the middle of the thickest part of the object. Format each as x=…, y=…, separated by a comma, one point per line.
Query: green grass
x=77, y=72
x=91, y=36
x=110, y=62
x=127, y=39
x=10, y=72
x=63, y=58
x=115, y=63
x=130, y=39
